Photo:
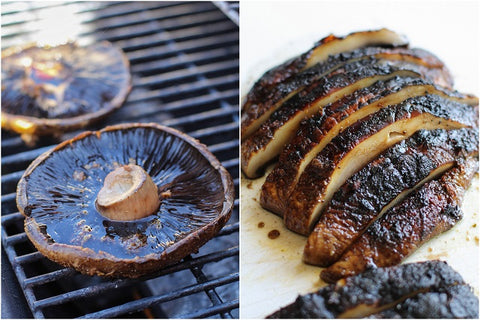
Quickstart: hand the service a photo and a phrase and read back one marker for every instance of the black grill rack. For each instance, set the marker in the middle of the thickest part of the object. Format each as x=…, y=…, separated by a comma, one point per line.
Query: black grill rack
x=184, y=63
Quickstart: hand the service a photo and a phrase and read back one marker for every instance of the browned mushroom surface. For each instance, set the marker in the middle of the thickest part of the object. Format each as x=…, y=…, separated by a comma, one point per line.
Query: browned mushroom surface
x=50, y=89
x=410, y=289
x=59, y=195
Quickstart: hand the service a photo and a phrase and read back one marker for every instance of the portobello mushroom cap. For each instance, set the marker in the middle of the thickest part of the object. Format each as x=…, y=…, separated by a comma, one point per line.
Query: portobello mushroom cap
x=58, y=193
x=46, y=90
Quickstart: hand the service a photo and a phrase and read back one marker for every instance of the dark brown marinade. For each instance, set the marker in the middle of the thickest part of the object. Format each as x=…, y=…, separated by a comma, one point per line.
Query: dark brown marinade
x=432, y=209
x=362, y=197
x=347, y=75
x=292, y=67
x=426, y=63
x=455, y=302
x=375, y=288
x=317, y=175
x=281, y=181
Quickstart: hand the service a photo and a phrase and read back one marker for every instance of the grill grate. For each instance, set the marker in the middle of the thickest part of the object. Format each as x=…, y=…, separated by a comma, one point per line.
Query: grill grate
x=184, y=64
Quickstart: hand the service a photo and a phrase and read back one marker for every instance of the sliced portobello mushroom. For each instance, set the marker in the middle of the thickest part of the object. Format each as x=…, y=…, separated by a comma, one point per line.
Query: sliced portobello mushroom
x=124, y=201
x=316, y=132
x=268, y=141
x=381, y=184
x=372, y=291
x=455, y=302
x=432, y=209
x=328, y=46
x=257, y=113
x=360, y=143
x=48, y=90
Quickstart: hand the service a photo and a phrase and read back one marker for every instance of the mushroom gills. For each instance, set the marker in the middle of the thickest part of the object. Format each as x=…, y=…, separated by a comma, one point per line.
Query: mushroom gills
x=317, y=131
x=49, y=90
x=407, y=225
x=59, y=194
x=362, y=142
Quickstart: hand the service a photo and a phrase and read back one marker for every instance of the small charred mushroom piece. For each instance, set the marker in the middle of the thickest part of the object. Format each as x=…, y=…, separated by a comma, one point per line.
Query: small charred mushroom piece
x=124, y=201
x=48, y=90
x=128, y=193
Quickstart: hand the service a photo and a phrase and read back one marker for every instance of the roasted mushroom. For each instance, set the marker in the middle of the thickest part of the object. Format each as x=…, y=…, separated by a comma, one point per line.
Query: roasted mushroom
x=124, y=201
x=46, y=90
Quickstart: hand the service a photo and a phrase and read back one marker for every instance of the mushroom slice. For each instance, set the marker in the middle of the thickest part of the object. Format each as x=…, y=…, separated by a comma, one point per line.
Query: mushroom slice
x=267, y=142
x=371, y=292
x=432, y=209
x=49, y=90
x=124, y=201
x=428, y=65
x=381, y=184
x=360, y=143
x=328, y=46
x=455, y=302
x=317, y=131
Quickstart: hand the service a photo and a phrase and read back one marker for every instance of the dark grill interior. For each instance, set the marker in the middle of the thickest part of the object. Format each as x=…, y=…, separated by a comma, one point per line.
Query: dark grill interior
x=184, y=63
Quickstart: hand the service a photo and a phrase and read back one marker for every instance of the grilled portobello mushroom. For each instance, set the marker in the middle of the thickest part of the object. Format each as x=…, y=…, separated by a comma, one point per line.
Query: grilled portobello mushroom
x=342, y=123
x=374, y=291
x=455, y=302
x=49, y=90
x=328, y=46
x=362, y=142
x=432, y=209
x=267, y=142
x=381, y=184
x=124, y=201
x=316, y=132
x=257, y=113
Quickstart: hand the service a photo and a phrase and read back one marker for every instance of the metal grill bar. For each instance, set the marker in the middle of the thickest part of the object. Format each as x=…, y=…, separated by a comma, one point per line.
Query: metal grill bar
x=148, y=302
x=31, y=155
x=138, y=96
x=212, y=294
x=23, y=156
x=184, y=62
x=28, y=258
x=220, y=308
x=12, y=217
x=105, y=286
x=48, y=277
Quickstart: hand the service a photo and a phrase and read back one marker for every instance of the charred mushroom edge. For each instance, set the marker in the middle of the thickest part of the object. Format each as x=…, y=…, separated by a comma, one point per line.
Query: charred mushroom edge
x=105, y=264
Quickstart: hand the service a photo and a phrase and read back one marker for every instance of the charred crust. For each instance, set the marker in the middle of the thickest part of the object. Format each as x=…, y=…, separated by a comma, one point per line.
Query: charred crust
x=363, y=196
x=432, y=209
x=292, y=67
x=455, y=302
x=312, y=130
x=421, y=61
x=375, y=288
x=327, y=160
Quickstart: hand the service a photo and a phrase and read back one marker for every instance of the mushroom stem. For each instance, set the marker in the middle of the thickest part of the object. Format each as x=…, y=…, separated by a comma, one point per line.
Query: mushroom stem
x=128, y=193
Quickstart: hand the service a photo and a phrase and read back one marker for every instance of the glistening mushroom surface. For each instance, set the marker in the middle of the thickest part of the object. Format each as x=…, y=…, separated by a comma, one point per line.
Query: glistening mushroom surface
x=50, y=89
x=58, y=191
